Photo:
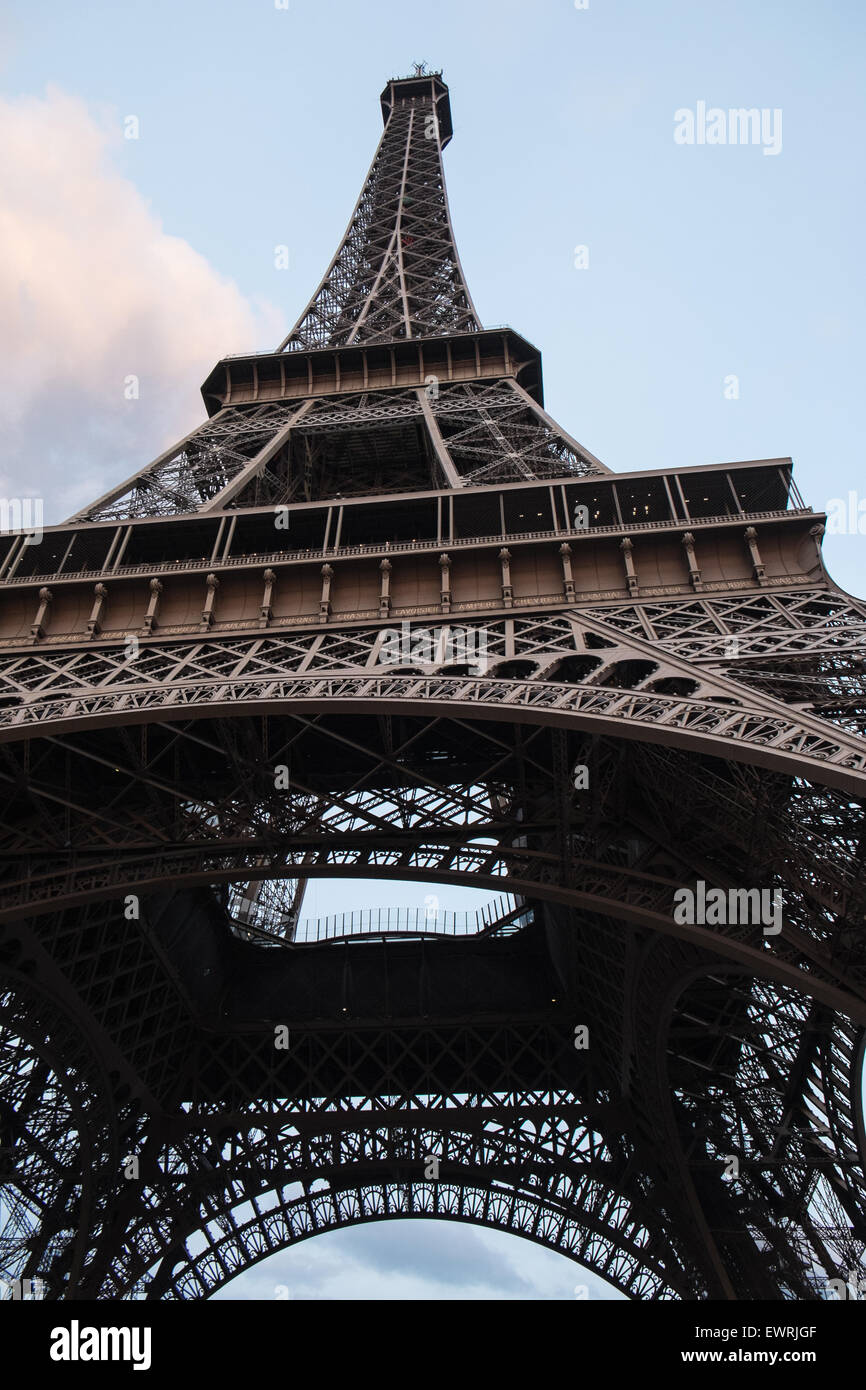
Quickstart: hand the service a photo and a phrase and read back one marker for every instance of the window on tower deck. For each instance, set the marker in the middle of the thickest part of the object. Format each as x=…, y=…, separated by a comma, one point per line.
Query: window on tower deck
x=527, y=509
x=390, y=523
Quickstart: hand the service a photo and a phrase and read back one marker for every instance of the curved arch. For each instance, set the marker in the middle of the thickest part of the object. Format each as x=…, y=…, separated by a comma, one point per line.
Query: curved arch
x=191, y=1282
x=550, y=1214
x=798, y=744
x=603, y=890
x=577, y=1199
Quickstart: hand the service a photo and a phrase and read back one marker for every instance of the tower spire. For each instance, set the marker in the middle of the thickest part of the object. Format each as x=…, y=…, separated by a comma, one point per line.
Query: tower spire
x=396, y=273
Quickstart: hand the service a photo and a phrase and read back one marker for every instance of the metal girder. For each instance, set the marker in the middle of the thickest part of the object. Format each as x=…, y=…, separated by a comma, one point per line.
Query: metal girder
x=709, y=1140
x=191, y=475
x=396, y=273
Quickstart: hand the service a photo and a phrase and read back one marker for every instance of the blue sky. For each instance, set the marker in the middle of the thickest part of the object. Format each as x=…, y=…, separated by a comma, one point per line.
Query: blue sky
x=155, y=256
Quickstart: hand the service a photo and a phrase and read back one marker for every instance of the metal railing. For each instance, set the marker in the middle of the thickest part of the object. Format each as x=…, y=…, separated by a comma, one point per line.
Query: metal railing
x=379, y=548
x=502, y=912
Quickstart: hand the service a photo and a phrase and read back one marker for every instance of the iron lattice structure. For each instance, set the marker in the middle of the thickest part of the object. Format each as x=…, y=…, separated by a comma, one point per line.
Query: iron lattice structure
x=212, y=689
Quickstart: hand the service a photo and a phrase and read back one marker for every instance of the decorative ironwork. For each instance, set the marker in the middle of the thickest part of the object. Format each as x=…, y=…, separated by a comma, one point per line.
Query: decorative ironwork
x=191, y=1081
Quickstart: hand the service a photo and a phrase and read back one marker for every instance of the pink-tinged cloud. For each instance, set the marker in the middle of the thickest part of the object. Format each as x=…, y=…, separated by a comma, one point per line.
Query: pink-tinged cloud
x=94, y=291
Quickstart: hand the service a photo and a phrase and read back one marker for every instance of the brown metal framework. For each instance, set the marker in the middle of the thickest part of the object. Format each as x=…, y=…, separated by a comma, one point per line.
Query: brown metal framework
x=230, y=612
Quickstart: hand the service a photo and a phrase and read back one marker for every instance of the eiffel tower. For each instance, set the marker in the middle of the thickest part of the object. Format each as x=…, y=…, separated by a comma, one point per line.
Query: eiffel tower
x=380, y=617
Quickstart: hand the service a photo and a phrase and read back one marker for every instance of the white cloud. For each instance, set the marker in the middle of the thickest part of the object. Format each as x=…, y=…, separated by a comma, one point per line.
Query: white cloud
x=92, y=291
x=417, y=1260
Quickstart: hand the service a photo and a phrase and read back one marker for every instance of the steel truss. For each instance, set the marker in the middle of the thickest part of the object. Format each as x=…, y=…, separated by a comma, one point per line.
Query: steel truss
x=155, y=1138
x=396, y=273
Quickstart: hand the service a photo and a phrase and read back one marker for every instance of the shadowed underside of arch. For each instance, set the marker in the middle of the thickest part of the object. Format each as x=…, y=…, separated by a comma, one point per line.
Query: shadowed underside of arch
x=549, y=1166
x=706, y=1143
x=660, y=692
x=484, y=795
x=608, y=1155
